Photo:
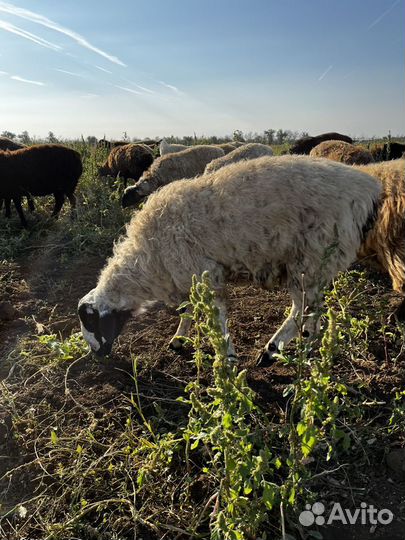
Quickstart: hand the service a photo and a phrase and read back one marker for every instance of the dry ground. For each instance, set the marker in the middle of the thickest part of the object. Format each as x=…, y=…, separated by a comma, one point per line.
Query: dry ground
x=44, y=292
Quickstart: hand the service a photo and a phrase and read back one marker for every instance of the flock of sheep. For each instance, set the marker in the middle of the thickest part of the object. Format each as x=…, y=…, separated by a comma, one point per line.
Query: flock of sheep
x=234, y=210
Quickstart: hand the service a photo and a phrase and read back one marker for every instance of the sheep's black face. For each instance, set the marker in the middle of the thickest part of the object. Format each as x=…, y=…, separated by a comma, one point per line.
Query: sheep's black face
x=100, y=328
x=131, y=197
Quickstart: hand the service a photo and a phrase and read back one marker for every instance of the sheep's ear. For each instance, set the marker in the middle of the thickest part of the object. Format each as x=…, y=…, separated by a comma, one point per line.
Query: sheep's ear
x=111, y=324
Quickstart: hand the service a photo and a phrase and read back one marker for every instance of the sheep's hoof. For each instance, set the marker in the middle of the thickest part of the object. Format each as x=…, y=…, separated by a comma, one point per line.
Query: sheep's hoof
x=176, y=344
x=266, y=357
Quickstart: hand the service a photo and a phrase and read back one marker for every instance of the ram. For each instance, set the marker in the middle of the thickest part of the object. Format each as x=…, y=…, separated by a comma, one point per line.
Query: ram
x=294, y=220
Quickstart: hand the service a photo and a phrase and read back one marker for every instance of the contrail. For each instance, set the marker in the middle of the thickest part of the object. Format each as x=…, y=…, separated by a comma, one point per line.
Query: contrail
x=27, y=35
x=383, y=15
x=128, y=90
x=170, y=86
x=44, y=21
x=21, y=79
x=325, y=72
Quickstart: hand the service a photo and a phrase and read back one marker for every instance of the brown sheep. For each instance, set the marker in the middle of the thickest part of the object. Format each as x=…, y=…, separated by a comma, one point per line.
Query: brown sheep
x=386, y=241
x=305, y=145
x=343, y=152
x=128, y=161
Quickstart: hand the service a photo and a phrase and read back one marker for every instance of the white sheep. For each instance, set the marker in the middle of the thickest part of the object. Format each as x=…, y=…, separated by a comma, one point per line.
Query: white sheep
x=186, y=164
x=167, y=148
x=247, y=151
x=290, y=219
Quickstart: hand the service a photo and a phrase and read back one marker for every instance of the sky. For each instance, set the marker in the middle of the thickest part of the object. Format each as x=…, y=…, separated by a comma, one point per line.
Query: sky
x=178, y=67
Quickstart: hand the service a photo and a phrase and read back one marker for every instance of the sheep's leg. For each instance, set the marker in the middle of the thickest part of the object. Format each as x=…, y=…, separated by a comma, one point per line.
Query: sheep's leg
x=224, y=326
x=293, y=324
x=31, y=205
x=177, y=341
x=72, y=200
x=18, y=207
x=59, y=200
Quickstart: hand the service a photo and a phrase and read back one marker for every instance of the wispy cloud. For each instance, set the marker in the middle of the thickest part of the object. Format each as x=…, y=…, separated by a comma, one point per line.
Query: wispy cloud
x=3, y=73
x=144, y=89
x=325, y=72
x=89, y=96
x=171, y=87
x=103, y=69
x=31, y=16
x=383, y=14
x=27, y=35
x=130, y=90
x=28, y=81
x=69, y=72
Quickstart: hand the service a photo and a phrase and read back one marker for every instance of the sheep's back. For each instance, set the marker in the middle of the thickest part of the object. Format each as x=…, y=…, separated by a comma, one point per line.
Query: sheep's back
x=271, y=210
x=343, y=152
x=42, y=169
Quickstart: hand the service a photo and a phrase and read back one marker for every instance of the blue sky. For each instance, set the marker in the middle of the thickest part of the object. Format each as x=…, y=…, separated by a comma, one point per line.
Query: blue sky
x=161, y=67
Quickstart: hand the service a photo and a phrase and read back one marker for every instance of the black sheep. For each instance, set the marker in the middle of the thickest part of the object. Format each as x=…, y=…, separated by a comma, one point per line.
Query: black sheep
x=39, y=170
x=305, y=145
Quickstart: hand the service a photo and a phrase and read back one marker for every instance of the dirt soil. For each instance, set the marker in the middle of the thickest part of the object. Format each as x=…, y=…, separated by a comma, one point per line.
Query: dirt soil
x=44, y=293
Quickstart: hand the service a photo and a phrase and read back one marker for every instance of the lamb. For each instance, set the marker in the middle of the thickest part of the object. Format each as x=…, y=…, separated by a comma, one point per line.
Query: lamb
x=186, y=164
x=343, y=152
x=128, y=161
x=166, y=148
x=305, y=145
x=247, y=151
x=40, y=170
x=386, y=241
x=292, y=219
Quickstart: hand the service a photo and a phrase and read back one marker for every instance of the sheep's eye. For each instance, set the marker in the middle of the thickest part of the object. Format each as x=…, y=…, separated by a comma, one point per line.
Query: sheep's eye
x=92, y=320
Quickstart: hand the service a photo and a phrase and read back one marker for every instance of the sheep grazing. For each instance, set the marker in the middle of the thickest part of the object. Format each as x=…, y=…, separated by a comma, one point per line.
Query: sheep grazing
x=387, y=151
x=343, y=152
x=186, y=164
x=294, y=220
x=386, y=241
x=129, y=161
x=166, y=148
x=247, y=151
x=43, y=169
x=305, y=145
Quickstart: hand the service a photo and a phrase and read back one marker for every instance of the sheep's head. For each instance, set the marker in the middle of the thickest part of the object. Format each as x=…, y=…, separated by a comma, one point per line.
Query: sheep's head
x=100, y=325
x=132, y=196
